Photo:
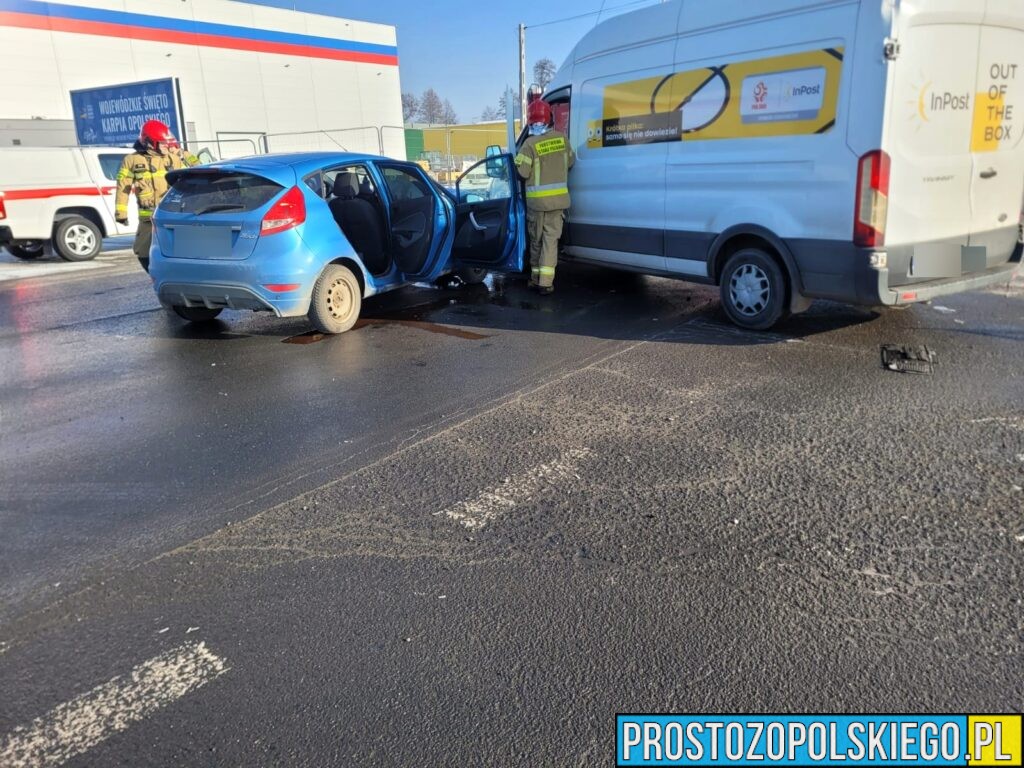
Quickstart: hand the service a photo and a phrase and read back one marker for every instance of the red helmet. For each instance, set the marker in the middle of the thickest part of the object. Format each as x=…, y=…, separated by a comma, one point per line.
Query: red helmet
x=154, y=133
x=538, y=112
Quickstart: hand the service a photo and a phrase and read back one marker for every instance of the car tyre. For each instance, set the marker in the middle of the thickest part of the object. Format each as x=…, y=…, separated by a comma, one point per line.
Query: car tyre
x=471, y=275
x=28, y=249
x=337, y=300
x=753, y=290
x=77, y=239
x=197, y=314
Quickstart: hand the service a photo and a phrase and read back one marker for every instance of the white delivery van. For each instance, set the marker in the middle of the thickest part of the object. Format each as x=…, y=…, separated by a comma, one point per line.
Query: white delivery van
x=866, y=151
x=60, y=197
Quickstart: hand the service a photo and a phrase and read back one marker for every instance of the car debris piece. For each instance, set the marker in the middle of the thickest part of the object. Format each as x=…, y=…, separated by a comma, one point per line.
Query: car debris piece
x=908, y=359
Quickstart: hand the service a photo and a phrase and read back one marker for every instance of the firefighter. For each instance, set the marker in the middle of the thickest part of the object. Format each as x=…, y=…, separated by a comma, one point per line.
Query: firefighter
x=156, y=152
x=543, y=162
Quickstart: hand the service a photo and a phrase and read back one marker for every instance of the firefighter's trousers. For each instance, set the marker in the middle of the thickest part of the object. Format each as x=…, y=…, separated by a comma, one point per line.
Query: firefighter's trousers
x=544, y=229
x=143, y=241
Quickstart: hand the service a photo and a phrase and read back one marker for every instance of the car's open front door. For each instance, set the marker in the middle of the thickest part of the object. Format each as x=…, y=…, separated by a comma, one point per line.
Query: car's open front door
x=490, y=217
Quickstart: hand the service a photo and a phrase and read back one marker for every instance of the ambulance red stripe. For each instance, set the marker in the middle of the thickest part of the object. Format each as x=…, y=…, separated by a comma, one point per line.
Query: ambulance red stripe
x=42, y=194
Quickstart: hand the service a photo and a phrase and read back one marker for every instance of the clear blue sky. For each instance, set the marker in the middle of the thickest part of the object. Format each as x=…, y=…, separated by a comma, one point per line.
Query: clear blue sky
x=467, y=49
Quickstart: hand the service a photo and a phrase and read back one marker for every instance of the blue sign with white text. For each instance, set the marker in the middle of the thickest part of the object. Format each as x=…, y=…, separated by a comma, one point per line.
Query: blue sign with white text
x=115, y=114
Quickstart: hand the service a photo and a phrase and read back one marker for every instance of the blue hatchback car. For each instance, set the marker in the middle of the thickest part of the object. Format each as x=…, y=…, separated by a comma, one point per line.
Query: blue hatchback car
x=316, y=233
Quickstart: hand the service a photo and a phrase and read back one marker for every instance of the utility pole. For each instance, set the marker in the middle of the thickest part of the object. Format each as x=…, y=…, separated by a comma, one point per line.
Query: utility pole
x=522, y=72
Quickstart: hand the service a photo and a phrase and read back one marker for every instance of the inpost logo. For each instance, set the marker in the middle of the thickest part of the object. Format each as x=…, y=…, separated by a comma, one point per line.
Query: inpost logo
x=931, y=102
x=805, y=90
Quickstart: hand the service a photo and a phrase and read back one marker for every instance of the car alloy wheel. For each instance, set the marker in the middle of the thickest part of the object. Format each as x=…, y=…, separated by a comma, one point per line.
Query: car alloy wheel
x=79, y=240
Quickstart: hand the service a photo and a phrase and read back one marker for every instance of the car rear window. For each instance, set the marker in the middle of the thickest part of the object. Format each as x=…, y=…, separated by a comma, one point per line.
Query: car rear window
x=207, y=192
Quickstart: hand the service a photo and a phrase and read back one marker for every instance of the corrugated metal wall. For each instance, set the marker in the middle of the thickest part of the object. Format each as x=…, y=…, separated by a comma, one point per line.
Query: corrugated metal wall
x=244, y=68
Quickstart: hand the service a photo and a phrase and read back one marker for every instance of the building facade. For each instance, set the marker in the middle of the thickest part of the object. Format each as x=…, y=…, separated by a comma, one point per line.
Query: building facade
x=253, y=76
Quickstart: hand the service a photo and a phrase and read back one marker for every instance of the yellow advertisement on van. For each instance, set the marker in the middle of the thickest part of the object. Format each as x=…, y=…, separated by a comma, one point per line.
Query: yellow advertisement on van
x=789, y=95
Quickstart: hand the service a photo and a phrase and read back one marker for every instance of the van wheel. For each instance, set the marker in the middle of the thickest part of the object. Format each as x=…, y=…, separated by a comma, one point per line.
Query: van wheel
x=197, y=314
x=77, y=239
x=753, y=290
x=337, y=300
x=28, y=249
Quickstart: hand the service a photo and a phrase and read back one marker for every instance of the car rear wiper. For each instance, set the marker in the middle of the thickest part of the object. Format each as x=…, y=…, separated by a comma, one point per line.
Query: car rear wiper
x=219, y=207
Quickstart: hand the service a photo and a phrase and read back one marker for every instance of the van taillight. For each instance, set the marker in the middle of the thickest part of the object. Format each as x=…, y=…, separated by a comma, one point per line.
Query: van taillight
x=872, y=207
x=3, y=209
x=286, y=213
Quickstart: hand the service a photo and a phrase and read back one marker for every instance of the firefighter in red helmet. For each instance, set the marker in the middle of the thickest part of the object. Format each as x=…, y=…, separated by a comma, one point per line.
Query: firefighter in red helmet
x=543, y=162
x=145, y=172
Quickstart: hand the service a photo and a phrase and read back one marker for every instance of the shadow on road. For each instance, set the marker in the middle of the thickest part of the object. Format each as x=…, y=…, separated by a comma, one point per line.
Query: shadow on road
x=592, y=302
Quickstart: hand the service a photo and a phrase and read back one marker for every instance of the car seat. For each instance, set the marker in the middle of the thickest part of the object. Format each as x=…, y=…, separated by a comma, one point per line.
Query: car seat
x=360, y=222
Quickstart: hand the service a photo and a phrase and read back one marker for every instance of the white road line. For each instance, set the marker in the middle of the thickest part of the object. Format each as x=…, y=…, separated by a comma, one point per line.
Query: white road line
x=478, y=512
x=1010, y=422
x=80, y=724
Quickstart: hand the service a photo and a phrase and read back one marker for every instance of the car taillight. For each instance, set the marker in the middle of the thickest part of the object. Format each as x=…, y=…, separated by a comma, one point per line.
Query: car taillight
x=286, y=213
x=872, y=208
x=3, y=210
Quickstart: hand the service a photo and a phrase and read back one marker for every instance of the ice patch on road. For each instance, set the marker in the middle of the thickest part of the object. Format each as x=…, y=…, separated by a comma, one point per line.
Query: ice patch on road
x=25, y=271
x=80, y=724
x=478, y=512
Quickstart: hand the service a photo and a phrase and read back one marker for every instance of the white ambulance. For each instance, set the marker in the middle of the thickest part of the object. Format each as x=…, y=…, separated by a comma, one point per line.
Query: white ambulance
x=61, y=198
x=866, y=151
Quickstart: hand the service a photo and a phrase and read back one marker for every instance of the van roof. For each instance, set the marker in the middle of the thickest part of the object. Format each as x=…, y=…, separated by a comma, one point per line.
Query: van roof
x=666, y=20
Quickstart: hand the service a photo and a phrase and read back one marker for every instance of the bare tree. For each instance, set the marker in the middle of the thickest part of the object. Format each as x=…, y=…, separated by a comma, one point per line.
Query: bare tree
x=517, y=111
x=544, y=72
x=448, y=116
x=410, y=107
x=489, y=115
x=431, y=107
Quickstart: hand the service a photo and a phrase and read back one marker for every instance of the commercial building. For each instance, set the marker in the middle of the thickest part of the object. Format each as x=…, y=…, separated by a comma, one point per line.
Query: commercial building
x=251, y=76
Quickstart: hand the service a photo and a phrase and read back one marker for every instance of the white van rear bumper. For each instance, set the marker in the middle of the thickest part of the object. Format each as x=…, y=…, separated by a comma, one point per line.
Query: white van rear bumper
x=913, y=294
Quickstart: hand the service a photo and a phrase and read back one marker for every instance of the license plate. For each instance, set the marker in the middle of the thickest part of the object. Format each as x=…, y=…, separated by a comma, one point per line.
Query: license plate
x=202, y=242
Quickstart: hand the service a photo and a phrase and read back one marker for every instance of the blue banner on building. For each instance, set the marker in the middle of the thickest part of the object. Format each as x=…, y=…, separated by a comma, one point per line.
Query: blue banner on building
x=115, y=114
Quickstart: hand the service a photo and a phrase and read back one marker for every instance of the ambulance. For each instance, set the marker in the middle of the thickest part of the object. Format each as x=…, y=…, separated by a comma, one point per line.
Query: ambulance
x=60, y=198
x=863, y=151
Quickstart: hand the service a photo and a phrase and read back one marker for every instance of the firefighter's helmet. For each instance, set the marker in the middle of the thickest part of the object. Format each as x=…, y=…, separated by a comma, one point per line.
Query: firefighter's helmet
x=154, y=133
x=539, y=111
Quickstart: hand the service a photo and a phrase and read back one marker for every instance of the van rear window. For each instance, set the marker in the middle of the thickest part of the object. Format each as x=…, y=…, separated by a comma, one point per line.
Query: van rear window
x=206, y=192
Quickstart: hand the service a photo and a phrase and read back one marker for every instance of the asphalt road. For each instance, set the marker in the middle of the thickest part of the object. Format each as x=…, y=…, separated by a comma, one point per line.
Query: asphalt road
x=474, y=529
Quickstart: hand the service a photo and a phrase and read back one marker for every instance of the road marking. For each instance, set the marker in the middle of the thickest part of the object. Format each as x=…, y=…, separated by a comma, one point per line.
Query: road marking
x=80, y=724
x=476, y=513
x=1015, y=423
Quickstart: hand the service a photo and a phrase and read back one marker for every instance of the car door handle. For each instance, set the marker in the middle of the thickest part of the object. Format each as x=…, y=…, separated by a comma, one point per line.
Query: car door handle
x=991, y=173
x=476, y=225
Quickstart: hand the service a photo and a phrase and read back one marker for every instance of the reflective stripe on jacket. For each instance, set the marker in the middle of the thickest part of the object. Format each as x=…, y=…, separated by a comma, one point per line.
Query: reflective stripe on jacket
x=145, y=173
x=544, y=163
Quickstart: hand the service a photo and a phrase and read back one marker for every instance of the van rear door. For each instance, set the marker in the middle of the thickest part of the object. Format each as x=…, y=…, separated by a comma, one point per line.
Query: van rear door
x=997, y=186
x=928, y=138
